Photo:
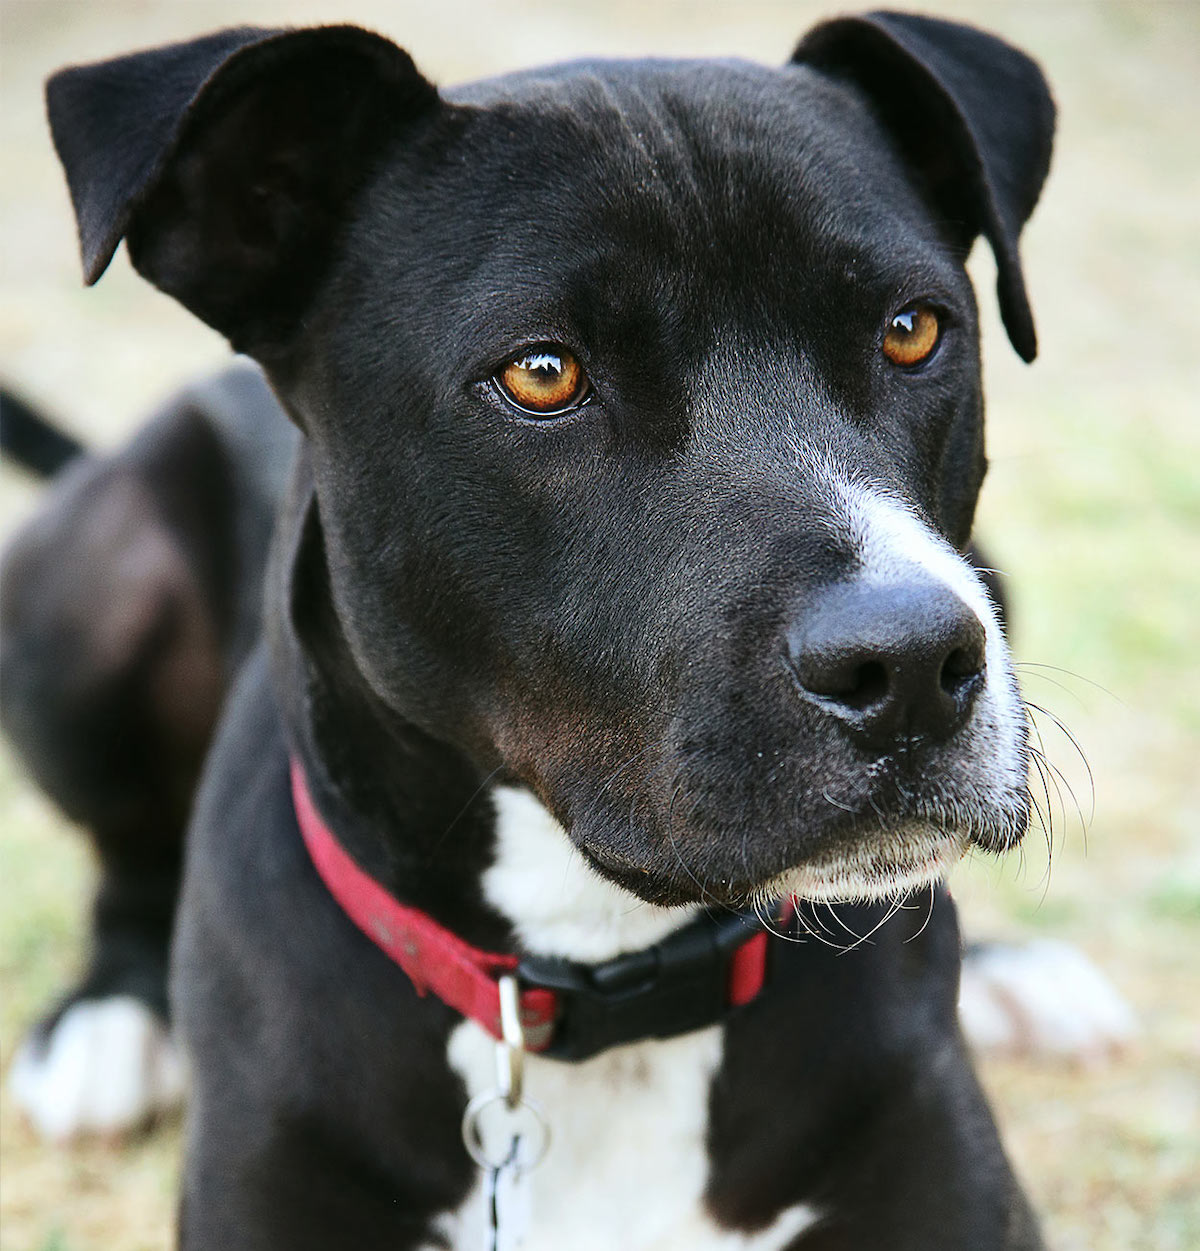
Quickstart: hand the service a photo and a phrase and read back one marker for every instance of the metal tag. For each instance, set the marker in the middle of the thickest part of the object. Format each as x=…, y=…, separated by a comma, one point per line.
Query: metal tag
x=506, y=1135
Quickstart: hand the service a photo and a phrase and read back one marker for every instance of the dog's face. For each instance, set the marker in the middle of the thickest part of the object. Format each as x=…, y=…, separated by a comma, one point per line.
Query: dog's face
x=643, y=412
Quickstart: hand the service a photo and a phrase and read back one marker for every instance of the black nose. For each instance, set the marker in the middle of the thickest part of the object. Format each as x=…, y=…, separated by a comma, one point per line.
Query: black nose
x=890, y=661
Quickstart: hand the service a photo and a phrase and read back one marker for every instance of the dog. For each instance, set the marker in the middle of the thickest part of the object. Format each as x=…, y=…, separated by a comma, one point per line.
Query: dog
x=617, y=592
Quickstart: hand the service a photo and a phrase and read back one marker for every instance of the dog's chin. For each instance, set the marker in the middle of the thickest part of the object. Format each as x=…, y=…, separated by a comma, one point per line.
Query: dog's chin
x=886, y=866
x=883, y=865
x=856, y=863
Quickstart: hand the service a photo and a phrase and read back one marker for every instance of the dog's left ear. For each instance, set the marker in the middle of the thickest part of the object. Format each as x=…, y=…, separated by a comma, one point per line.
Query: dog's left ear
x=973, y=116
x=227, y=162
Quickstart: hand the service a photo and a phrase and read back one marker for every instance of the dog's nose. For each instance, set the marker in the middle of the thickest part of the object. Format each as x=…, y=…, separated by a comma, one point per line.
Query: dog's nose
x=890, y=661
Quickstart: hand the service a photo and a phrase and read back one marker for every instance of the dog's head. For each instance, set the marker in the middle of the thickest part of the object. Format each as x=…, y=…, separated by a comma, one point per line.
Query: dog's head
x=643, y=413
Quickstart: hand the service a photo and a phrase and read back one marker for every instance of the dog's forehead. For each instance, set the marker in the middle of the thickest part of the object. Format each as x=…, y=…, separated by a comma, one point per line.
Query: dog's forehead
x=673, y=127
x=639, y=89
x=690, y=187
x=630, y=86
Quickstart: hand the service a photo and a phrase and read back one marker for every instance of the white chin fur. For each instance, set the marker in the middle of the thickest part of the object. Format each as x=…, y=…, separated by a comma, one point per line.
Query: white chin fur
x=107, y=1067
x=882, y=867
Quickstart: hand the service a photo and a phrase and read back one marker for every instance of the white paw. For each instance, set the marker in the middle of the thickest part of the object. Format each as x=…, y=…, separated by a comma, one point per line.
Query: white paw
x=108, y=1066
x=1041, y=998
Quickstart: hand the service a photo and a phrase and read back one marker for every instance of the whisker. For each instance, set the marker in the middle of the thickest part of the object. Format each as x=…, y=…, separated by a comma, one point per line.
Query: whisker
x=803, y=917
x=928, y=916
x=1079, y=677
x=1062, y=686
x=1084, y=822
x=1038, y=759
x=1066, y=733
x=893, y=908
x=834, y=803
x=1041, y=761
x=436, y=845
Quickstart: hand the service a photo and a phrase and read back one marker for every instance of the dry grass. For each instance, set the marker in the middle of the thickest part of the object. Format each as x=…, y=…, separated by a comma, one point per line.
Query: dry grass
x=1093, y=504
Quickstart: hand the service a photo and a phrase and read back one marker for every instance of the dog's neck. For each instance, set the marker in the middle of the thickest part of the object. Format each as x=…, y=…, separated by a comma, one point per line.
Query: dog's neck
x=437, y=830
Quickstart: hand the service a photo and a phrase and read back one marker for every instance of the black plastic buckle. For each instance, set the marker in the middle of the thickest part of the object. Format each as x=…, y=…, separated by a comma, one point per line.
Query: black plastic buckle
x=674, y=987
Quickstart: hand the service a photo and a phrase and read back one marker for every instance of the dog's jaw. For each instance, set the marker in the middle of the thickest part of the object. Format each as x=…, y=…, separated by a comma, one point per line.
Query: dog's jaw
x=883, y=867
x=981, y=800
x=559, y=905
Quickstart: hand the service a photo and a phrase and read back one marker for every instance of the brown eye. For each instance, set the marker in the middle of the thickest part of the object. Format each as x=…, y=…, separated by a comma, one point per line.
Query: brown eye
x=545, y=381
x=911, y=336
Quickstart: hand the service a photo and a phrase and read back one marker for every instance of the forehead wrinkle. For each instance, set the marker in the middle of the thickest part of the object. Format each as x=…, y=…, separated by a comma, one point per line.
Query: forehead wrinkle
x=650, y=136
x=650, y=151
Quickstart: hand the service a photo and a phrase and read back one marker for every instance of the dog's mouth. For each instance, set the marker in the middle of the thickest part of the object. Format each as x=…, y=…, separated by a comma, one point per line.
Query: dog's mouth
x=856, y=863
x=887, y=866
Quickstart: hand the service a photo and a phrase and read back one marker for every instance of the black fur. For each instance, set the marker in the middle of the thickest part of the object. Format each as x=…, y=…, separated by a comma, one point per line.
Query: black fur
x=591, y=607
x=129, y=600
x=32, y=440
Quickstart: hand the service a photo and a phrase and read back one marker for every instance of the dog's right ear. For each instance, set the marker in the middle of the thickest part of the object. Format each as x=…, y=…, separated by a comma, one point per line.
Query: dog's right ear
x=227, y=162
x=974, y=116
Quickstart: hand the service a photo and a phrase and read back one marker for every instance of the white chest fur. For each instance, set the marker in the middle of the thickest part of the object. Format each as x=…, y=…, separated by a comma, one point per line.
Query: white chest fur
x=627, y=1163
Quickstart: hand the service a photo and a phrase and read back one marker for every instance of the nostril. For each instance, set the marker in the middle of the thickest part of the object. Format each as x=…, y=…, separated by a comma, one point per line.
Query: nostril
x=853, y=682
x=868, y=685
x=960, y=670
x=904, y=659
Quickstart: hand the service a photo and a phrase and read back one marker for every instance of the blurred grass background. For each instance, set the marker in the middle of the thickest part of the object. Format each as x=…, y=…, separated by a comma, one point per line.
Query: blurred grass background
x=1092, y=506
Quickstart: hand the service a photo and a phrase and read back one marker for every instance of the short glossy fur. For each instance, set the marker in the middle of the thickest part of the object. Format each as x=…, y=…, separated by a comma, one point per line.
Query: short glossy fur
x=614, y=610
x=129, y=599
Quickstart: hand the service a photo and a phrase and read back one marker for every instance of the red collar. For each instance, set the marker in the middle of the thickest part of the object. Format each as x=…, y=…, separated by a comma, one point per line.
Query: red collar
x=571, y=1014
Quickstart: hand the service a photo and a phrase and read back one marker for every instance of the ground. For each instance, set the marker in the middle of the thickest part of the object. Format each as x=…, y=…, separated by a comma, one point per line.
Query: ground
x=1092, y=506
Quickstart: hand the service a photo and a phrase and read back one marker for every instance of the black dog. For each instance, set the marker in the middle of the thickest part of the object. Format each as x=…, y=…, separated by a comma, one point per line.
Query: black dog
x=641, y=418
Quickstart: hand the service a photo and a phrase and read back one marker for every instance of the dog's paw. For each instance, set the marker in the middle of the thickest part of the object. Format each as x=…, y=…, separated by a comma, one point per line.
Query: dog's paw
x=1041, y=998
x=107, y=1066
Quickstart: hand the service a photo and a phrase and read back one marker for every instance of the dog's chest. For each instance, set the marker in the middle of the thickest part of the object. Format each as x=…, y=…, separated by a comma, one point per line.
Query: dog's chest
x=626, y=1155
x=627, y=1163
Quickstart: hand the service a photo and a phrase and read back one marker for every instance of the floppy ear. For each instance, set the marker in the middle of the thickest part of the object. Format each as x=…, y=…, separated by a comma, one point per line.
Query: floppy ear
x=228, y=161
x=973, y=116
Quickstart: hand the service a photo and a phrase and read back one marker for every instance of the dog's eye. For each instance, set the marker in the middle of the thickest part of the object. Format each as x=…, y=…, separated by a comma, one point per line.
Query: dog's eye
x=544, y=381
x=911, y=336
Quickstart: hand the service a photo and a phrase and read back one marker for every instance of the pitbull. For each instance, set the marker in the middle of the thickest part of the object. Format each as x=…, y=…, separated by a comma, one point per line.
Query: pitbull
x=617, y=597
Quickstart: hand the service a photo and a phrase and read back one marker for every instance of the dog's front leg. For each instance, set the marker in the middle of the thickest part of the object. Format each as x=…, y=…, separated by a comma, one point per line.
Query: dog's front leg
x=885, y=1135
x=323, y=1112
